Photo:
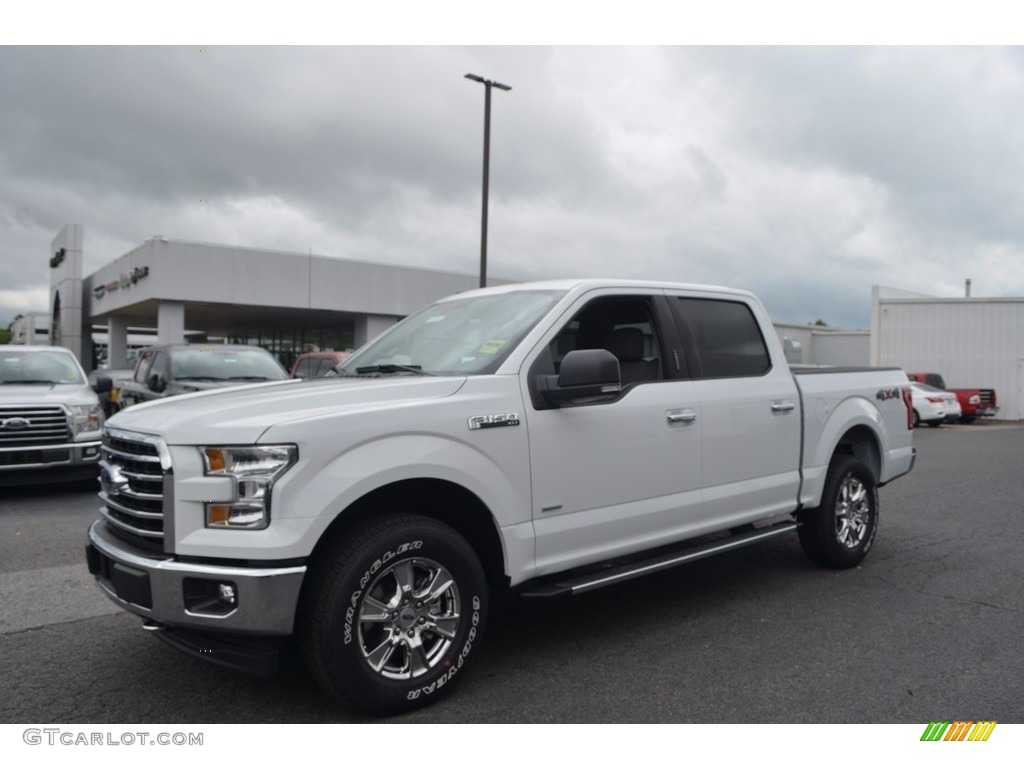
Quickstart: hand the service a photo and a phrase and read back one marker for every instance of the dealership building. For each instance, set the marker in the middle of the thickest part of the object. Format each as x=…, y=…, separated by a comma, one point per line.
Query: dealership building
x=186, y=291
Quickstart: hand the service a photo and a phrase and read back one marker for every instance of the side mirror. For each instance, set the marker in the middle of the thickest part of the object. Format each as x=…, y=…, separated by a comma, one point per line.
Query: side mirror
x=584, y=374
x=103, y=385
x=156, y=382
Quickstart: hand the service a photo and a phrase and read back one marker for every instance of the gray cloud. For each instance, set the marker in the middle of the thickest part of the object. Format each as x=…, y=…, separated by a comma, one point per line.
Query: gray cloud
x=805, y=174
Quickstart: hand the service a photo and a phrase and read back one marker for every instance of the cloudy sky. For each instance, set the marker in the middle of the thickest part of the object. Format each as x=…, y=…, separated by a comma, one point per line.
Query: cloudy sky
x=805, y=174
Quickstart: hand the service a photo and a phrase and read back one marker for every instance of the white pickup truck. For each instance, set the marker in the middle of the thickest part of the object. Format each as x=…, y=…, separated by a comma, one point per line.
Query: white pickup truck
x=550, y=438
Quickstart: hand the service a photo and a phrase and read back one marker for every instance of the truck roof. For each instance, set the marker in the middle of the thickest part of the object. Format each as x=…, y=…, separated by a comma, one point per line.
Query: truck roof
x=581, y=284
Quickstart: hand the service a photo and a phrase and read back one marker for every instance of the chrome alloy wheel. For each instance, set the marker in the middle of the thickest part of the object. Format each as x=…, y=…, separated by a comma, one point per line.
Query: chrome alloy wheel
x=853, y=512
x=408, y=618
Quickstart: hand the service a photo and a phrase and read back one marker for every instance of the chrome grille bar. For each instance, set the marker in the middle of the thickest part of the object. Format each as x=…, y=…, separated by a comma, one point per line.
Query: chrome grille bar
x=133, y=467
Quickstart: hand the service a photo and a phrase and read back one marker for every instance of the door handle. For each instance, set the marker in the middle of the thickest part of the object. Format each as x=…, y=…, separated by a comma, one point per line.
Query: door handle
x=782, y=406
x=680, y=417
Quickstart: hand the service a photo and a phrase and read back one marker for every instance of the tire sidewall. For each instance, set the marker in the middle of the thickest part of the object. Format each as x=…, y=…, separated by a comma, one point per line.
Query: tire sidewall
x=351, y=676
x=819, y=534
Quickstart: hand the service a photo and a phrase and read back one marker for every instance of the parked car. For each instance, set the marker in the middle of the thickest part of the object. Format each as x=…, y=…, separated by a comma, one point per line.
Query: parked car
x=176, y=369
x=50, y=419
x=316, y=365
x=933, y=406
x=973, y=402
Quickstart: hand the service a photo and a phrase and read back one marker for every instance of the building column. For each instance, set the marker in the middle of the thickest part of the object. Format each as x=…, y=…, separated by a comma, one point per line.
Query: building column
x=117, y=342
x=369, y=327
x=65, y=259
x=170, y=322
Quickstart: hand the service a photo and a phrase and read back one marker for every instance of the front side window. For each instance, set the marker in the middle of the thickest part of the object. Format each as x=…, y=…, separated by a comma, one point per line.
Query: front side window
x=471, y=335
x=622, y=325
x=145, y=362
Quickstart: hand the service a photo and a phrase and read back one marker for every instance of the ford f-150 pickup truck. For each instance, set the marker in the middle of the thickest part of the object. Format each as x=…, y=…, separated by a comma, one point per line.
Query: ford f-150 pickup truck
x=50, y=418
x=174, y=369
x=550, y=438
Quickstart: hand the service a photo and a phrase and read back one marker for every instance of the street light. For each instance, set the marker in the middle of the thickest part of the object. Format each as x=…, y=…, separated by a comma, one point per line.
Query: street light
x=488, y=84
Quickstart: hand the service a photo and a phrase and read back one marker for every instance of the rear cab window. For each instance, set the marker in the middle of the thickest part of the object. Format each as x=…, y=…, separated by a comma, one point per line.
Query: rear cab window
x=722, y=338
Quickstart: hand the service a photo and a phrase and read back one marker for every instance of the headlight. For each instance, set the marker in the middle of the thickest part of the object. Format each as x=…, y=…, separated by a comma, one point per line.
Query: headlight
x=86, y=418
x=253, y=470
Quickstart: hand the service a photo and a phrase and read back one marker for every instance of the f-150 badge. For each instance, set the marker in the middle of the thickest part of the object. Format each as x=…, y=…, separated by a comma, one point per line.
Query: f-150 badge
x=494, y=420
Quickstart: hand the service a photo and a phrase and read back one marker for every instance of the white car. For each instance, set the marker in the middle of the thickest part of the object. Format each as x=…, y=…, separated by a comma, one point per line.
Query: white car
x=933, y=406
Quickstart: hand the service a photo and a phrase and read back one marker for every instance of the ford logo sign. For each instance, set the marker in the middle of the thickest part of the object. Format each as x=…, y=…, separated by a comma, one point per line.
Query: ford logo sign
x=15, y=423
x=112, y=479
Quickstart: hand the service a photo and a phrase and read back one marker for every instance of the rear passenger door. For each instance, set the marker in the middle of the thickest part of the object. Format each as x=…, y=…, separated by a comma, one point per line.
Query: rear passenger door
x=618, y=473
x=749, y=410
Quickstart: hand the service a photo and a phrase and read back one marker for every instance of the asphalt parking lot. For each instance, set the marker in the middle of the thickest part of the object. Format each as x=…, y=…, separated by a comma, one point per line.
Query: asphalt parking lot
x=928, y=628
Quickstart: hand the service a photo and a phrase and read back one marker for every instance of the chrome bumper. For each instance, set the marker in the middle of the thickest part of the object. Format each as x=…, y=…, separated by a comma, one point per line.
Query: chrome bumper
x=259, y=601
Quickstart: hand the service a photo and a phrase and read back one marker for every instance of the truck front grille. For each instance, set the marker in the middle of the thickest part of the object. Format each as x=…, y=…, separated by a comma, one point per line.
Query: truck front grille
x=32, y=427
x=132, y=477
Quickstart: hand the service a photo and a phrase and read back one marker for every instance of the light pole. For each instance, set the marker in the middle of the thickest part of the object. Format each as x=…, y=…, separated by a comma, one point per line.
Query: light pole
x=488, y=84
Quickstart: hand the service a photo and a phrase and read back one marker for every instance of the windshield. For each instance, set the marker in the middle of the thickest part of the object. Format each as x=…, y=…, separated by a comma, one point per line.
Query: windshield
x=46, y=366
x=205, y=364
x=472, y=335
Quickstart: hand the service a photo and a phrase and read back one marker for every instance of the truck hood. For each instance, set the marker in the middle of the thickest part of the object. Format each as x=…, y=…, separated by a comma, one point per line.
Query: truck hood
x=47, y=394
x=239, y=415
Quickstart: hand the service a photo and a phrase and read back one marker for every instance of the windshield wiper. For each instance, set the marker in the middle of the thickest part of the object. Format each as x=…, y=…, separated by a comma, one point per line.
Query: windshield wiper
x=248, y=378
x=200, y=378
x=30, y=381
x=393, y=368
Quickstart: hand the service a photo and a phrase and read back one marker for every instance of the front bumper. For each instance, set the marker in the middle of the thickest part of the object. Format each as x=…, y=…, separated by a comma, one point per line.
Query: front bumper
x=32, y=464
x=170, y=592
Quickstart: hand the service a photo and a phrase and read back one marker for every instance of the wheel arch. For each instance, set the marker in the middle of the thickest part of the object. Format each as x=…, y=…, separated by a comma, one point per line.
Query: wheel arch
x=861, y=442
x=441, y=500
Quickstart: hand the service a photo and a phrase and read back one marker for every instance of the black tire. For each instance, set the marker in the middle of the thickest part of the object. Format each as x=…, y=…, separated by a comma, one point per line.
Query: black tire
x=967, y=419
x=839, y=533
x=917, y=419
x=369, y=631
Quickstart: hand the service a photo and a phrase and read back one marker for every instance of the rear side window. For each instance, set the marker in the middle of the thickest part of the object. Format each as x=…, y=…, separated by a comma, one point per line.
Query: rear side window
x=724, y=338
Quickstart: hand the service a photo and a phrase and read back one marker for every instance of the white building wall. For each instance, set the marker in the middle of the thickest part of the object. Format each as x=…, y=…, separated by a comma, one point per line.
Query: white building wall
x=826, y=346
x=31, y=328
x=841, y=348
x=972, y=342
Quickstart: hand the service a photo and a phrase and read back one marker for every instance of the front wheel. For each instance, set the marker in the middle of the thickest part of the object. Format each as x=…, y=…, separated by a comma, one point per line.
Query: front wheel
x=839, y=533
x=393, y=613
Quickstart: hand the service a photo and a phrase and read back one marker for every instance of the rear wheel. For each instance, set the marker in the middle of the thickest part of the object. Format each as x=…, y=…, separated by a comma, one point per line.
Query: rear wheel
x=393, y=614
x=839, y=533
